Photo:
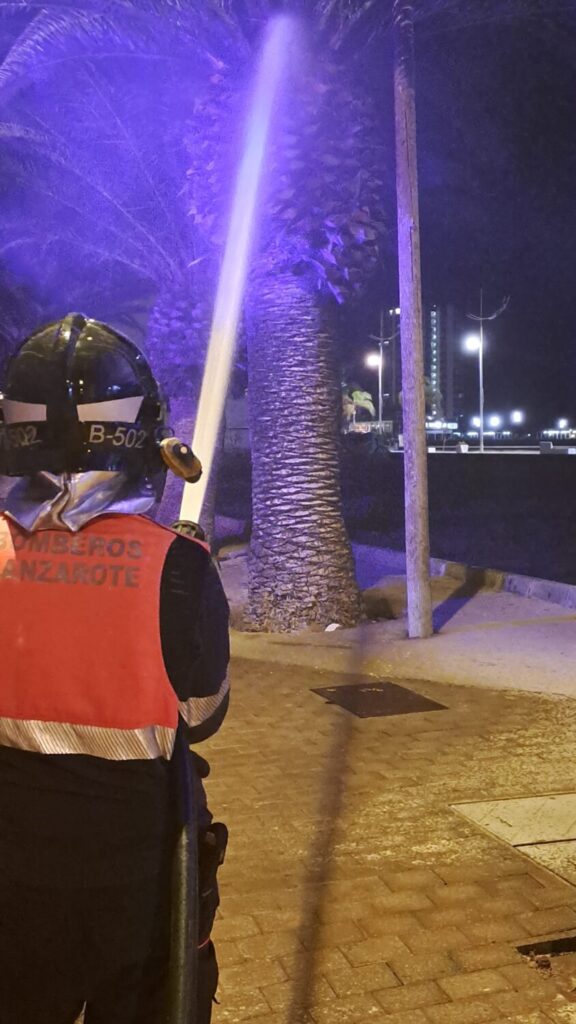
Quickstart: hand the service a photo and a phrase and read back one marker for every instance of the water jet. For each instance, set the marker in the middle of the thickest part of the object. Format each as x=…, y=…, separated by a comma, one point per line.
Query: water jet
x=274, y=62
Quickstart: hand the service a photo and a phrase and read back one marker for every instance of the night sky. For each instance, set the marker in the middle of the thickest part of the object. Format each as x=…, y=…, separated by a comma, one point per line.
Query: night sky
x=496, y=107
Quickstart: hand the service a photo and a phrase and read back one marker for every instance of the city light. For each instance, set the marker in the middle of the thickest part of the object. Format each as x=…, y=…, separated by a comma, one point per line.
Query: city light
x=472, y=343
x=517, y=416
x=495, y=421
x=373, y=360
x=475, y=421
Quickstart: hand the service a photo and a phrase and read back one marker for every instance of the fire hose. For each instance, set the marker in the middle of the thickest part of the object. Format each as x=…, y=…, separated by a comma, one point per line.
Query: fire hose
x=182, y=991
x=183, y=969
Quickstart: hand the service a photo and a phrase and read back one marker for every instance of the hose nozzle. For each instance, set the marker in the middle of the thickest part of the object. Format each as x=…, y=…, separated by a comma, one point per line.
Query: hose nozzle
x=180, y=458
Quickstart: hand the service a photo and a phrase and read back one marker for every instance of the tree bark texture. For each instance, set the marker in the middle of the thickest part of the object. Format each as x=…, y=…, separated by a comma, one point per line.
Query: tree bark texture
x=301, y=569
x=412, y=347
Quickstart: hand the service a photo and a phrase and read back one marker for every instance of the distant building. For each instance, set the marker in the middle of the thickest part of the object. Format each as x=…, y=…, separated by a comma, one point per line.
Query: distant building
x=439, y=347
x=439, y=359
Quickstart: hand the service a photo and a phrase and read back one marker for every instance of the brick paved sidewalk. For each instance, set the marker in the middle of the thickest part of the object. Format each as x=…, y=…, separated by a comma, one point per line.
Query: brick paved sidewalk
x=352, y=891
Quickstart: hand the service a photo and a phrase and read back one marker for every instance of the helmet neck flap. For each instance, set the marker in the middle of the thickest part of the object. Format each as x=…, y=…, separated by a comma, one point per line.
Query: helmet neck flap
x=48, y=501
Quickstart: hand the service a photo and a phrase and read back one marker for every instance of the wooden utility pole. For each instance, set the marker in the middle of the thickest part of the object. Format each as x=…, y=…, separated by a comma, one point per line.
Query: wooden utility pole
x=412, y=345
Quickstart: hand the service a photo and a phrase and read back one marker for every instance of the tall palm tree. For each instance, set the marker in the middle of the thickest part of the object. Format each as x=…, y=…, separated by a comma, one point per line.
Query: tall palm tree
x=318, y=242
x=319, y=239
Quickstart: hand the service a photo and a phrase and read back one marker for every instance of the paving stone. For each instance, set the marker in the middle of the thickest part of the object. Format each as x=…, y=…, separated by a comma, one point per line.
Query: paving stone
x=493, y=954
x=289, y=1016
x=343, y=910
x=229, y=954
x=317, y=961
x=542, y=921
x=335, y=934
x=553, y=896
x=242, y=1006
x=499, y=930
x=408, y=997
x=345, y=1011
x=532, y=1017
x=278, y=921
x=408, y=900
x=457, y=892
x=228, y=928
x=561, y=1011
x=478, y=871
x=409, y=1017
x=250, y=975
x=464, y=1011
x=522, y=976
x=375, y=950
x=524, y=884
x=273, y=944
x=527, y=1001
x=414, y=878
x=389, y=924
x=474, y=983
x=285, y=994
x=362, y=979
x=423, y=967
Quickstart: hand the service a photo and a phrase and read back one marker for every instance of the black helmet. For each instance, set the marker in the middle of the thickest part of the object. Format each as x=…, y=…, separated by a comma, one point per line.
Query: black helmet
x=78, y=396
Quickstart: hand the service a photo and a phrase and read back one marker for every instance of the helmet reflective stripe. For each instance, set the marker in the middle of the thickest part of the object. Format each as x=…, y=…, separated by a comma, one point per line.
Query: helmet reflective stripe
x=23, y=412
x=119, y=410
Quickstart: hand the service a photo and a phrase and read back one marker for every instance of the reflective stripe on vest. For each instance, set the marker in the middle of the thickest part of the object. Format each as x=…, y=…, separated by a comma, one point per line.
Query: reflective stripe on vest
x=82, y=669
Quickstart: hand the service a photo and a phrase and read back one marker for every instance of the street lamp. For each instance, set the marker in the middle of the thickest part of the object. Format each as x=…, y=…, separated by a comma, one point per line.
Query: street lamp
x=562, y=424
x=478, y=345
x=375, y=360
x=475, y=343
x=495, y=422
x=517, y=416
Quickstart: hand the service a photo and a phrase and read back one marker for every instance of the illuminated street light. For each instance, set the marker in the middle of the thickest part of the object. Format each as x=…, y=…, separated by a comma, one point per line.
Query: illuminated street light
x=475, y=421
x=375, y=360
x=517, y=416
x=472, y=343
x=475, y=343
x=562, y=424
x=495, y=421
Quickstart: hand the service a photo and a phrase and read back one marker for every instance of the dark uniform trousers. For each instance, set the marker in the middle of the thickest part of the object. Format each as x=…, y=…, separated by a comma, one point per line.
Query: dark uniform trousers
x=107, y=945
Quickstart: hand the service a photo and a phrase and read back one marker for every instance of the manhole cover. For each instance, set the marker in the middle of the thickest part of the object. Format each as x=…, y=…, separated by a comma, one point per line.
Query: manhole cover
x=376, y=700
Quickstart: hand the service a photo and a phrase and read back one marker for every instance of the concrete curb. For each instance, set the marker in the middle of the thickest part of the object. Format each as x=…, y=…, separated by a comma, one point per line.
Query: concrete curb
x=563, y=594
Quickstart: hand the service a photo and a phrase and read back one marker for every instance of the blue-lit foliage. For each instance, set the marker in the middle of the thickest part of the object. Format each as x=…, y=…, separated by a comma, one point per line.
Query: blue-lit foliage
x=99, y=103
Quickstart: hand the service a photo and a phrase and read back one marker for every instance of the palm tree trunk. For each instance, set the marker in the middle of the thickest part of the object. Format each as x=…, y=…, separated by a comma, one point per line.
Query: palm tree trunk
x=301, y=570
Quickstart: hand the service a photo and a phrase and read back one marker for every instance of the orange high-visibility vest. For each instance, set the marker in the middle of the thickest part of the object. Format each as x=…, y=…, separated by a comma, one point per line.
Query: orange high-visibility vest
x=81, y=667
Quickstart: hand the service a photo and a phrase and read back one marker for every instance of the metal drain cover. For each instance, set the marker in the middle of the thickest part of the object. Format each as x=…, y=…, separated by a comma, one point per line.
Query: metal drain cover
x=377, y=700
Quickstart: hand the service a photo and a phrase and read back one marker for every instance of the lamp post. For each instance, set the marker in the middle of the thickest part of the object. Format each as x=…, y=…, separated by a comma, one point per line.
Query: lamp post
x=475, y=343
x=375, y=360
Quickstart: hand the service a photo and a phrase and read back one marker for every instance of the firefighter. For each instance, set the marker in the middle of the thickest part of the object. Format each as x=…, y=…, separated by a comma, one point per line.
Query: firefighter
x=113, y=639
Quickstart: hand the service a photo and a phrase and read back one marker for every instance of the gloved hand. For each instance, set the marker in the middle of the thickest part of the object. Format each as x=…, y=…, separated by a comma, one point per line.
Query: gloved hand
x=189, y=529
